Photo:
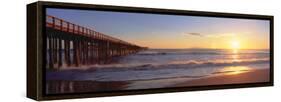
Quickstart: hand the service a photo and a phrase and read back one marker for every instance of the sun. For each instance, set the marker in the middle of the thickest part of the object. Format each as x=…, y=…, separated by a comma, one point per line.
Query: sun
x=235, y=45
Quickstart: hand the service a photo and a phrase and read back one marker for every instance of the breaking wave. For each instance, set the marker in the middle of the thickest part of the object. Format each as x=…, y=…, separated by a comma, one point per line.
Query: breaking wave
x=183, y=64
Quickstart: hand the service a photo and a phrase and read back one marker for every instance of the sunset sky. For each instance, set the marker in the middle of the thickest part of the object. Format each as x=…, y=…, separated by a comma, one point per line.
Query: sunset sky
x=172, y=31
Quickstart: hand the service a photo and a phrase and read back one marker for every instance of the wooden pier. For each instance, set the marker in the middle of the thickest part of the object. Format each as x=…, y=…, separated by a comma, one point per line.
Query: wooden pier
x=69, y=44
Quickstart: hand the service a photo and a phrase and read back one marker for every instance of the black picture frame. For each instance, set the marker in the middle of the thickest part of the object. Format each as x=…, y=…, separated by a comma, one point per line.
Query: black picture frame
x=36, y=15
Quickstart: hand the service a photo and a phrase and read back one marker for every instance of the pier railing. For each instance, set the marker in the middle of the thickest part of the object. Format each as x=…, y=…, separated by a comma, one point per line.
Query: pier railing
x=60, y=24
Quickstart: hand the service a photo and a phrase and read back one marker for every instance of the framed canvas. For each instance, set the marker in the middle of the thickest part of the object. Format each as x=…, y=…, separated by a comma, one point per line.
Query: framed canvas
x=85, y=50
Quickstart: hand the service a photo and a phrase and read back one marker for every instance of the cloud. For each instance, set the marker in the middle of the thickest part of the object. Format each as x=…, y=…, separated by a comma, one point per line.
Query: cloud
x=195, y=34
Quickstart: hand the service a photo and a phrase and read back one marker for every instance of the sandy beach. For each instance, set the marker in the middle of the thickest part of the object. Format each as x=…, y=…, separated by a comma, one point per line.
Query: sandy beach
x=252, y=76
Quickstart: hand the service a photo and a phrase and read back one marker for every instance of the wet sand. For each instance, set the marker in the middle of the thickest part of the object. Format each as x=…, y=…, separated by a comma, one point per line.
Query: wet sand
x=59, y=86
x=252, y=76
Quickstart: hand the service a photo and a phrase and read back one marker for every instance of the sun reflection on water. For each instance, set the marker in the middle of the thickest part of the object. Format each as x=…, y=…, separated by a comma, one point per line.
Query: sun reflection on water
x=235, y=51
x=235, y=58
x=234, y=70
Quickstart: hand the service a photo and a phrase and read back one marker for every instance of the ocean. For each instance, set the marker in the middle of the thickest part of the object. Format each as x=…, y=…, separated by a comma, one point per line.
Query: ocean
x=158, y=68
